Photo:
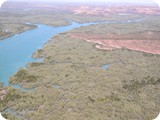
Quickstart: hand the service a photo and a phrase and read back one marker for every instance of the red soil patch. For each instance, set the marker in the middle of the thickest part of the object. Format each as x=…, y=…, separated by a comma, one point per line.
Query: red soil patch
x=97, y=9
x=125, y=9
x=144, y=42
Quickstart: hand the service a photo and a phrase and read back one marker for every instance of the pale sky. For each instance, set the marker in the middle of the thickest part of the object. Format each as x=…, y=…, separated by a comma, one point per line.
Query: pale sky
x=128, y=1
x=132, y=1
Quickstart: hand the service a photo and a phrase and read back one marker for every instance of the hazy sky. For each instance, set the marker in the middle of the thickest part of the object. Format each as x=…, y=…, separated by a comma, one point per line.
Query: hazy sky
x=129, y=1
x=139, y=1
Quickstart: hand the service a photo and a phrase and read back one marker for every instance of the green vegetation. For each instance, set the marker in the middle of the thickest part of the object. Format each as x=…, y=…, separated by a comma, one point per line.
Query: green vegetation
x=11, y=95
x=14, y=21
x=150, y=23
x=11, y=117
x=34, y=64
x=18, y=112
x=23, y=76
x=135, y=85
x=1, y=85
x=86, y=92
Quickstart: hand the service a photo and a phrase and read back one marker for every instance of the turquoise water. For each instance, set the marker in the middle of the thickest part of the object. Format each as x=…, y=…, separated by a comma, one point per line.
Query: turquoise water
x=16, y=51
x=105, y=67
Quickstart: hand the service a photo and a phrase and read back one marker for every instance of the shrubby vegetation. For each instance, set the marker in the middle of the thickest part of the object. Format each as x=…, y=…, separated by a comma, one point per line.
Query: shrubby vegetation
x=14, y=21
x=1, y=84
x=87, y=91
x=150, y=23
x=23, y=76
x=135, y=85
x=35, y=64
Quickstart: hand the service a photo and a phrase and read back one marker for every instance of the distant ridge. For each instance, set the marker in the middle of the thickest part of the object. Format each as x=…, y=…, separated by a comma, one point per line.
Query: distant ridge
x=104, y=8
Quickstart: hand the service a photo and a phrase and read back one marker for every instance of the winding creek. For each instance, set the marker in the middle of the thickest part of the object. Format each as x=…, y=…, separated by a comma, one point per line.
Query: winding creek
x=16, y=51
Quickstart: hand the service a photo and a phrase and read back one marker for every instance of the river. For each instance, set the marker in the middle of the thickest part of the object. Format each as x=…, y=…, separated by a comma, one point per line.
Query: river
x=16, y=51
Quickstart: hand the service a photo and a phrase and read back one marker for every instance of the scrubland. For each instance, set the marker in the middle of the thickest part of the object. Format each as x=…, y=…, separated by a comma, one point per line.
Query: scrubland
x=127, y=90
x=149, y=23
x=13, y=22
x=139, y=35
x=70, y=83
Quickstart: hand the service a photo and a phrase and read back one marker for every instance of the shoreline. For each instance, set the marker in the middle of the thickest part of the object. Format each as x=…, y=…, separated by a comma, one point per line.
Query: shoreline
x=33, y=26
x=99, y=82
x=16, y=33
x=78, y=26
